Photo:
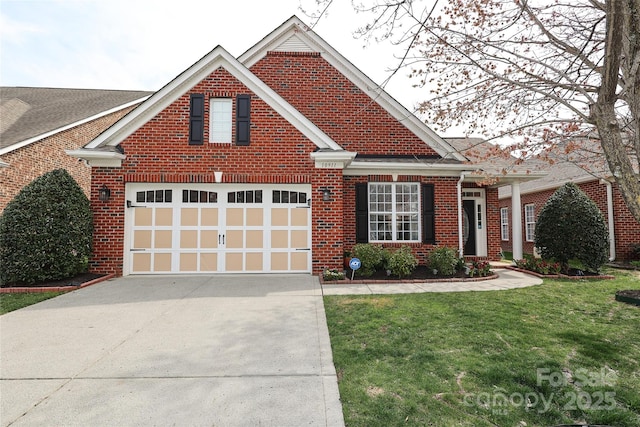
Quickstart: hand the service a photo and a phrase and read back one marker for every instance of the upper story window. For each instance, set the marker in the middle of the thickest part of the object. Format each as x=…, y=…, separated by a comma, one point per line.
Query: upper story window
x=220, y=120
x=530, y=222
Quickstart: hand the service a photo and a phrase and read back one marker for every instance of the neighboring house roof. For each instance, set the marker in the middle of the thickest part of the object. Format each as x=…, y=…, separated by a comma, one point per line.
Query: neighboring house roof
x=29, y=114
x=582, y=162
x=493, y=162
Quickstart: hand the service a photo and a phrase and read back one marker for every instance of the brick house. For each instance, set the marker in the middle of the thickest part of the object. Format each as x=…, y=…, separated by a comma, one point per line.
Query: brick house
x=37, y=125
x=278, y=161
x=597, y=183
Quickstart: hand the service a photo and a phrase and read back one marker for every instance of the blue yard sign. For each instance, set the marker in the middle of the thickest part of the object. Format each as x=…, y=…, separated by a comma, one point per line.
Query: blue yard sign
x=354, y=264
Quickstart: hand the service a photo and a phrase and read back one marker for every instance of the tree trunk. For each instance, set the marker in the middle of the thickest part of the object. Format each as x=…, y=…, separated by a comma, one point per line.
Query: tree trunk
x=619, y=18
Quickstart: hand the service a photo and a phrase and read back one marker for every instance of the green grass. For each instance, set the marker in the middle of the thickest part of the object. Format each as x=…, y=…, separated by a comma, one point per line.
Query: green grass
x=11, y=302
x=473, y=358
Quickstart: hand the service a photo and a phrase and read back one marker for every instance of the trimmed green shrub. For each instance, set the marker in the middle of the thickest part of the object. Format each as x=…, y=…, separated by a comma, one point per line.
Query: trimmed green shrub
x=444, y=260
x=402, y=262
x=569, y=226
x=371, y=256
x=46, y=231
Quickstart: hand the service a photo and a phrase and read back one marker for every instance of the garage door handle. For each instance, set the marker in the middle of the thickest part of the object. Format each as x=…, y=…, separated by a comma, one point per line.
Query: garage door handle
x=220, y=236
x=303, y=249
x=137, y=250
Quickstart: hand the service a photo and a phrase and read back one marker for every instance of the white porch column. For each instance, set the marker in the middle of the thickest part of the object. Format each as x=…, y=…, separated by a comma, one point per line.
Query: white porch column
x=516, y=221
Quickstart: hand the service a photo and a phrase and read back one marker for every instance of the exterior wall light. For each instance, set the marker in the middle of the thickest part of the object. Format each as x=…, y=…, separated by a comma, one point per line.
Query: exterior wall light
x=326, y=195
x=104, y=193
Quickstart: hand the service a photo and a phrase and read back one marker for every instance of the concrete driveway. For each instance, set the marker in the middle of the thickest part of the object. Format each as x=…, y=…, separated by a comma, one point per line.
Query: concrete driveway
x=185, y=351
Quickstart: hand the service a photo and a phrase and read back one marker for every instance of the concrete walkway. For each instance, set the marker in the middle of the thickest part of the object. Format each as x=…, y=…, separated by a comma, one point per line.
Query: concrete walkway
x=507, y=279
x=172, y=351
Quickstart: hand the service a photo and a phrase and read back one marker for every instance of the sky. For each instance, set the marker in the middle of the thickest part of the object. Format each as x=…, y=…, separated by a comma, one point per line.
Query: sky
x=144, y=44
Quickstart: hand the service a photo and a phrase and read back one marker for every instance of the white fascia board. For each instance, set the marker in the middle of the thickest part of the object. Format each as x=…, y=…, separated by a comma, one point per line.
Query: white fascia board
x=359, y=168
x=70, y=126
x=109, y=159
x=217, y=58
x=333, y=159
x=357, y=77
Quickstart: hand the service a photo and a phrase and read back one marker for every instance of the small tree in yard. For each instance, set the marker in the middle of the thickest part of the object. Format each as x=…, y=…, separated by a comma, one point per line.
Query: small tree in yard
x=569, y=226
x=46, y=231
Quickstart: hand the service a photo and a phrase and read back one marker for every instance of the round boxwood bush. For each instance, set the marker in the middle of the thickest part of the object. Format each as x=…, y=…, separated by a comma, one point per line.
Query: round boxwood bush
x=371, y=256
x=402, y=262
x=46, y=231
x=444, y=260
x=569, y=226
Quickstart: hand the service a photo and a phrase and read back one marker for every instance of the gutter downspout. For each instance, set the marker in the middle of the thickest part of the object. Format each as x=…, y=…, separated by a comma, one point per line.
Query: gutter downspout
x=610, y=220
x=460, y=231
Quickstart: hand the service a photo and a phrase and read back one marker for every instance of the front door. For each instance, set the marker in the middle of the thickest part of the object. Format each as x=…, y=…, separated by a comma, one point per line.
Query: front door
x=469, y=228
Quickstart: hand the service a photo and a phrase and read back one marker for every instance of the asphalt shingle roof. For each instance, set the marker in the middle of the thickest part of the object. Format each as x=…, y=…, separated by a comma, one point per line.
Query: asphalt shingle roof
x=27, y=112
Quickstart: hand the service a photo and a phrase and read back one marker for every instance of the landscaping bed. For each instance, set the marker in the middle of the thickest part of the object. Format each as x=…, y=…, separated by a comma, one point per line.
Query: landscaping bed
x=422, y=274
x=76, y=282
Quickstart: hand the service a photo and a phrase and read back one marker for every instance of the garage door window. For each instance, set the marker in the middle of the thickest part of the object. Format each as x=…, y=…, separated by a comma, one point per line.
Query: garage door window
x=250, y=196
x=194, y=196
x=289, y=197
x=154, y=196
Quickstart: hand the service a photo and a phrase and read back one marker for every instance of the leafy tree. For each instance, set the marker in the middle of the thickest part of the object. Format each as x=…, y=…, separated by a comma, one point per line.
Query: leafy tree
x=569, y=226
x=548, y=74
x=46, y=231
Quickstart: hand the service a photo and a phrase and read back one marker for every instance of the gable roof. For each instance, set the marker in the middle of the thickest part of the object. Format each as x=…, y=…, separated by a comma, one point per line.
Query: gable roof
x=295, y=36
x=29, y=114
x=217, y=58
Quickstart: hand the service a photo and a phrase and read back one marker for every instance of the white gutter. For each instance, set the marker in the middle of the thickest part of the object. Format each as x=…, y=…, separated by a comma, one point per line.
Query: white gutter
x=610, y=220
x=460, y=230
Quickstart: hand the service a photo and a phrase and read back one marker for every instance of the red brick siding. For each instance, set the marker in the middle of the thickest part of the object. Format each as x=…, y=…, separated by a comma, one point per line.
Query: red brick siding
x=337, y=106
x=627, y=229
x=279, y=153
x=33, y=160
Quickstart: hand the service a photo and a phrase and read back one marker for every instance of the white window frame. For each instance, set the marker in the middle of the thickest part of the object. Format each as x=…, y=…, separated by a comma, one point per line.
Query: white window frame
x=392, y=217
x=220, y=120
x=504, y=224
x=529, y=222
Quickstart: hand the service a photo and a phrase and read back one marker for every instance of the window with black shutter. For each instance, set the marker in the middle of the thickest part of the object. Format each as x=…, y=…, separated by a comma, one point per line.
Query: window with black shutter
x=362, y=213
x=243, y=116
x=395, y=212
x=196, y=119
x=428, y=214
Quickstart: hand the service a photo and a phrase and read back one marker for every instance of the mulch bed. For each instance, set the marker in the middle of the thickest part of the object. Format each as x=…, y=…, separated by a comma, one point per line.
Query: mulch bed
x=573, y=274
x=79, y=281
x=420, y=275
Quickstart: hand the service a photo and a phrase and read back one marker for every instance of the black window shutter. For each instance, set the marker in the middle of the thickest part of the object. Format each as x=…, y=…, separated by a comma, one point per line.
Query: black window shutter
x=362, y=213
x=243, y=115
x=428, y=214
x=196, y=119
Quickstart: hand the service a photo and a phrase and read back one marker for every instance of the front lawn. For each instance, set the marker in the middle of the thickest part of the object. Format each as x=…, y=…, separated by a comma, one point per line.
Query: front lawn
x=10, y=302
x=564, y=352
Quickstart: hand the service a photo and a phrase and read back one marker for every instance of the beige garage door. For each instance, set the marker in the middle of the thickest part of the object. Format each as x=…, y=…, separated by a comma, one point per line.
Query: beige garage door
x=218, y=229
